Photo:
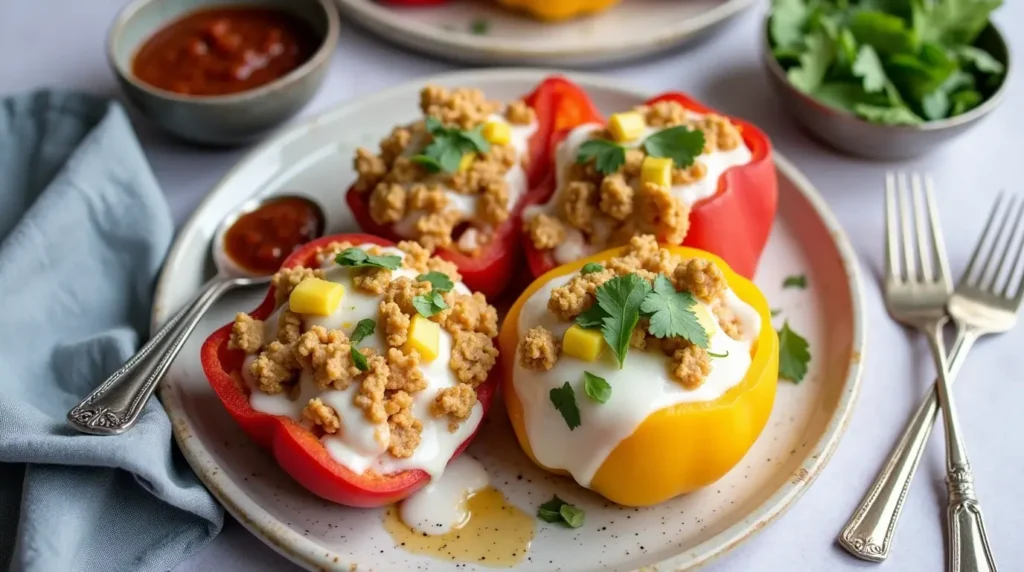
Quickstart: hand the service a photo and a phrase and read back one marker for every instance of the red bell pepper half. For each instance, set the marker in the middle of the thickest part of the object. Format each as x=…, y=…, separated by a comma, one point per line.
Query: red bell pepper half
x=558, y=104
x=297, y=450
x=734, y=223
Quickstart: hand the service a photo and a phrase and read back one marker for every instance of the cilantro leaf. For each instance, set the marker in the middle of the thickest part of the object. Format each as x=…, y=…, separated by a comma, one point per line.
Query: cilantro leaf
x=980, y=59
x=359, y=258
x=592, y=317
x=608, y=156
x=596, y=388
x=775, y=311
x=564, y=400
x=788, y=19
x=869, y=68
x=439, y=281
x=680, y=143
x=888, y=34
x=571, y=515
x=449, y=144
x=620, y=298
x=671, y=315
x=794, y=354
x=550, y=511
x=359, y=359
x=953, y=22
x=429, y=304
x=795, y=281
x=364, y=328
x=887, y=115
x=964, y=101
x=814, y=62
x=591, y=267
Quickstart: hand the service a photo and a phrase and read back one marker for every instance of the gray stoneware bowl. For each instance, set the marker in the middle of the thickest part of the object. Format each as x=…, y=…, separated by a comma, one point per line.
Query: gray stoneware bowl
x=223, y=119
x=851, y=134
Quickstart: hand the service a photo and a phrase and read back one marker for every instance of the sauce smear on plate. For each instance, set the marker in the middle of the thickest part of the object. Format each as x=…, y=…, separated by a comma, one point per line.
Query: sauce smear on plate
x=260, y=240
x=224, y=50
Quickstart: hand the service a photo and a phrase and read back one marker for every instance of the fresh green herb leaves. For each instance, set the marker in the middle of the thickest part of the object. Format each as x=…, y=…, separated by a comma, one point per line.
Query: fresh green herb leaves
x=794, y=354
x=596, y=387
x=439, y=281
x=620, y=298
x=449, y=144
x=608, y=156
x=363, y=328
x=670, y=313
x=359, y=258
x=479, y=27
x=680, y=143
x=592, y=317
x=795, y=281
x=564, y=400
x=714, y=355
x=776, y=311
x=896, y=62
x=429, y=304
x=591, y=267
x=557, y=510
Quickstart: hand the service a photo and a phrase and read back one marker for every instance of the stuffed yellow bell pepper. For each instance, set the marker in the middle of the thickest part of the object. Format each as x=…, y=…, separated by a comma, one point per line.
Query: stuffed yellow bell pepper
x=644, y=372
x=555, y=10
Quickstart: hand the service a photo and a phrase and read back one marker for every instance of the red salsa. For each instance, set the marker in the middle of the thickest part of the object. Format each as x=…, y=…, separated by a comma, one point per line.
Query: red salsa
x=260, y=240
x=224, y=50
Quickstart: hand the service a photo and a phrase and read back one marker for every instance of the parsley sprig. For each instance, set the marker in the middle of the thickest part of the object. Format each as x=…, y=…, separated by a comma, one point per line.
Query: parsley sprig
x=623, y=300
x=680, y=143
x=449, y=144
x=359, y=258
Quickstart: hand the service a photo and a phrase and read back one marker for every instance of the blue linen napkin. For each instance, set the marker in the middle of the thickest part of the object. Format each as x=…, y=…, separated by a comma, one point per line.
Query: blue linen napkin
x=83, y=230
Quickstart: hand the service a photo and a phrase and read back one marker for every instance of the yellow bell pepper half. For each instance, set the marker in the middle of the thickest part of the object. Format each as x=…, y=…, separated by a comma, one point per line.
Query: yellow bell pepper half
x=556, y=10
x=683, y=447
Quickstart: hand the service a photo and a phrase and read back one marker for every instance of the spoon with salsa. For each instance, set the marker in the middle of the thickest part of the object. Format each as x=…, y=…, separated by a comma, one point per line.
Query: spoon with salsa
x=247, y=249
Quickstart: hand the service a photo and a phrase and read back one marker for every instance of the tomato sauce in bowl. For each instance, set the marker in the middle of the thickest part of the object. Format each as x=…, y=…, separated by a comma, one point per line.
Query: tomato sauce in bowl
x=260, y=240
x=222, y=51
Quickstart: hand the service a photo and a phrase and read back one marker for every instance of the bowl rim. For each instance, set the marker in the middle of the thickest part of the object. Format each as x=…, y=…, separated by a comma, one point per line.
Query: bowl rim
x=934, y=125
x=319, y=58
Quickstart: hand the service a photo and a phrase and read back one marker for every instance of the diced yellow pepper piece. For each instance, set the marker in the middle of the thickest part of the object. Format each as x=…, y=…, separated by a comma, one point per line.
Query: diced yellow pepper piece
x=423, y=337
x=497, y=132
x=587, y=345
x=705, y=318
x=466, y=161
x=656, y=170
x=626, y=126
x=316, y=296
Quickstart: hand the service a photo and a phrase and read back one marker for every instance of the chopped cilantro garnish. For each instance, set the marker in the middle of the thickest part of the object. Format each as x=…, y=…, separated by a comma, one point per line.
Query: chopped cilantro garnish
x=439, y=281
x=794, y=354
x=359, y=359
x=591, y=267
x=680, y=143
x=620, y=298
x=795, y=281
x=714, y=355
x=449, y=144
x=429, y=304
x=557, y=510
x=363, y=328
x=359, y=258
x=671, y=315
x=564, y=400
x=608, y=156
x=596, y=387
x=479, y=26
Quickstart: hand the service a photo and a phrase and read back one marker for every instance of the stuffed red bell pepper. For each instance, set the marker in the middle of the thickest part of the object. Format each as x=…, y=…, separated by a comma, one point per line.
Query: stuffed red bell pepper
x=673, y=168
x=366, y=369
x=456, y=180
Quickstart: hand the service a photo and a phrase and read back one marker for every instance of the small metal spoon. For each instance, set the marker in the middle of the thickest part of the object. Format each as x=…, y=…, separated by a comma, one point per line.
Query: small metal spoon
x=116, y=404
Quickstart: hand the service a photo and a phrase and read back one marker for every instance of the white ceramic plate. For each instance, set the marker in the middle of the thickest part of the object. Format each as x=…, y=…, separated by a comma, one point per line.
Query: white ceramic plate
x=631, y=29
x=805, y=427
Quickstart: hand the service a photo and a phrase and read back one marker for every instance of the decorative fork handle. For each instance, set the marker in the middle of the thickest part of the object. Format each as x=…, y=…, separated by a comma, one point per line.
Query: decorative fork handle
x=869, y=532
x=968, y=543
x=116, y=404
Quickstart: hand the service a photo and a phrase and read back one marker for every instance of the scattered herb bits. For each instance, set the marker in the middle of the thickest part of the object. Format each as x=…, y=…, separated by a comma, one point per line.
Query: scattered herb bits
x=795, y=281
x=564, y=400
x=596, y=387
x=794, y=354
x=359, y=258
x=557, y=510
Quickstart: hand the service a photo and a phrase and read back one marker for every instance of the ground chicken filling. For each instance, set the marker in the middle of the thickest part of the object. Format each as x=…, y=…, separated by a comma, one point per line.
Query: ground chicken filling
x=608, y=209
x=540, y=349
x=391, y=378
x=444, y=210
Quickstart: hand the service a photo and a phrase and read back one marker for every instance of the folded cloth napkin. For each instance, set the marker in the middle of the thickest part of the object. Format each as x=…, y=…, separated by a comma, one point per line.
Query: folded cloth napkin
x=83, y=229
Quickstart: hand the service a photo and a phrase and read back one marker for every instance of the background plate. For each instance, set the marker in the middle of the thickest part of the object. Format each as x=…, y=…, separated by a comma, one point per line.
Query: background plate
x=314, y=158
x=632, y=29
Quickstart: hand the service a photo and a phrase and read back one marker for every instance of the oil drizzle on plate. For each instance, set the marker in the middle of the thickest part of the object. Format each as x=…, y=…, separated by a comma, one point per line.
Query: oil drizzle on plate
x=496, y=533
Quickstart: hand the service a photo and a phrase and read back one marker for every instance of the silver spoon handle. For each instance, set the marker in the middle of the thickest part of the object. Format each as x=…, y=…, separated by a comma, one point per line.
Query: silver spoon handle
x=116, y=404
x=868, y=534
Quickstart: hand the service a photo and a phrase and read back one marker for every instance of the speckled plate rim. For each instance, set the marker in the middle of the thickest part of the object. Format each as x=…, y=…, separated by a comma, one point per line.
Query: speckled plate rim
x=305, y=552
x=492, y=50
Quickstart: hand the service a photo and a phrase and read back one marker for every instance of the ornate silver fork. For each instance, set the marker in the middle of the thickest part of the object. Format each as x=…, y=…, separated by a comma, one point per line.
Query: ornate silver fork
x=986, y=301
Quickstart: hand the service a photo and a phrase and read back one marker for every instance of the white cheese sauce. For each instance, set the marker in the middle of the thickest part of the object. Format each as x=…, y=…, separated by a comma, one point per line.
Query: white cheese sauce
x=575, y=245
x=642, y=387
x=361, y=445
x=441, y=505
x=467, y=204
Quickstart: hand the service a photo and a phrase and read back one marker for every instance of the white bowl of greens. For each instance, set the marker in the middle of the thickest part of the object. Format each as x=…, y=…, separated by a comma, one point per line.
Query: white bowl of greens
x=886, y=80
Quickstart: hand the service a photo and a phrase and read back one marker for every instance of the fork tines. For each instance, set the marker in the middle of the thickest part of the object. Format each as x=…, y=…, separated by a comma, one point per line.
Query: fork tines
x=1002, y=253
x=924, y=232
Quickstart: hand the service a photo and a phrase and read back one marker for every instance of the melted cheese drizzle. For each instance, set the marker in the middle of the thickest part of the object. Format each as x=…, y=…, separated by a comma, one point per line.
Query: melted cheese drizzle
x=361, y=445
x=575, y=245
x=642, y=387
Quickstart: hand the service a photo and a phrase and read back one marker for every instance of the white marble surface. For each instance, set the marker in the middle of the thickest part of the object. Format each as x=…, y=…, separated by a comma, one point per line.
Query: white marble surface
x=60, y=43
